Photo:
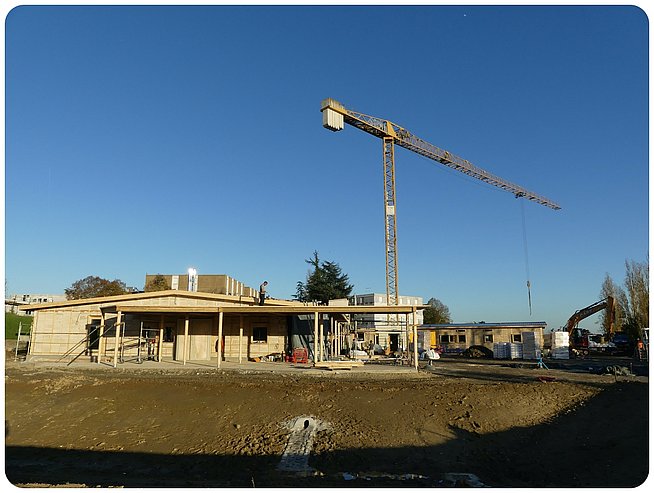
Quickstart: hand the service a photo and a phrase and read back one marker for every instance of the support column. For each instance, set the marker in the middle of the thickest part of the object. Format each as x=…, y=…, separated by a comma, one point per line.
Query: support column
x=321, y=328
x=101, y=338
x=187, y=322
x=315, y=337
x=415, y=338
x=220, y=338
x=332, y=336
x=161, y=336
x=240, y=340
x=118, y=322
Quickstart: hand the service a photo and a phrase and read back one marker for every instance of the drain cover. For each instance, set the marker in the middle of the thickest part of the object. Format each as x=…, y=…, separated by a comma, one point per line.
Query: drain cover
x=296, y=455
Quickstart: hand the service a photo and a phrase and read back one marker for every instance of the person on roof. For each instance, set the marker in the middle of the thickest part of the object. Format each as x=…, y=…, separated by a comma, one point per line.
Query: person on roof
x=262, y=292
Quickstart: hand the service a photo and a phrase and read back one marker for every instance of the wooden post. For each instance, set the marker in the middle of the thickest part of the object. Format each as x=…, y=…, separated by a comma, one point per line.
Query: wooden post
x=240, y=340
x=20, y=328
x=315, y=337
x=161, y=336
x=220, y=338
x=415, y=338
x=339, y=342
x=321, y=346
x=118, y=322
x=33, y=333
x=187, y=321
x=101, y=338
x=332, y=336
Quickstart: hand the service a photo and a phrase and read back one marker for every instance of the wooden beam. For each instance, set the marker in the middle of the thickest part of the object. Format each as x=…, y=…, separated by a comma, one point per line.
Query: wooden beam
x=315, y=337
x=321, y=345
x=220, y=338
x=118, y=322
x=415, y=338
x=187, y=322
x=101, y=342
x=240, y=339
x=262, y=310
x=161, y=336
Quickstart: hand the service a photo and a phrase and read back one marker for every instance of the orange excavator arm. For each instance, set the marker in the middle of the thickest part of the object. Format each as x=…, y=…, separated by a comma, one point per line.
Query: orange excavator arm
x=586, y=312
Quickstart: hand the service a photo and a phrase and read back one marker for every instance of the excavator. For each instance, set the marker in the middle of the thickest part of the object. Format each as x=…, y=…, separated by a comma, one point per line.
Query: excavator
x=582, y=342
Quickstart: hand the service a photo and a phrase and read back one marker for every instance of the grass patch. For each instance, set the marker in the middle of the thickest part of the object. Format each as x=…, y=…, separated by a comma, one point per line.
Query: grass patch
x=11, y=325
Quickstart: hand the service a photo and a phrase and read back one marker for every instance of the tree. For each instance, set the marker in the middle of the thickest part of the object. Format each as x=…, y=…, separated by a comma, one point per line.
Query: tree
x=325, y=282
x=437, y=313
x=157, y=283
x=637, y=287
x=620, y=305
x=93, y=287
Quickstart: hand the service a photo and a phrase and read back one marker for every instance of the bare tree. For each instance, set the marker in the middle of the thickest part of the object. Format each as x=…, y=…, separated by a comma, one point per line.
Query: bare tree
x=637, y=287
x=620, y=306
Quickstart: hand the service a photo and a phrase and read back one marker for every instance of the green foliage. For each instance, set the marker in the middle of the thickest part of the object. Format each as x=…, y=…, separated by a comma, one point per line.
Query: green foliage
x=437, y=313
x=325, y=282
x=11, y=325
x=93, y=287
x=157, y=283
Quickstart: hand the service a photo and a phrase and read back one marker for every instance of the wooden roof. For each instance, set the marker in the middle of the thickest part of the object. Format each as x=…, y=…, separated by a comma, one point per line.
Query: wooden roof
x=104, y=300
x=238, y=304
x=265, y=309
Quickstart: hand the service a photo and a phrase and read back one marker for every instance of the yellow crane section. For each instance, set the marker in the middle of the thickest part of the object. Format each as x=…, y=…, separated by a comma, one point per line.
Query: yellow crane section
x=334, y=117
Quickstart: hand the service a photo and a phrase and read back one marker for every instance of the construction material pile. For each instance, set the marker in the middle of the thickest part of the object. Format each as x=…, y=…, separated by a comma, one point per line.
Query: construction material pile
x=530, y=346
x=507, y=350
x=560, y=345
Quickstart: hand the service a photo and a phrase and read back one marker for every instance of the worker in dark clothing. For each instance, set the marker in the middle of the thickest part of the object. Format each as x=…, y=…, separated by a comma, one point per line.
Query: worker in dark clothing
x=262, y=292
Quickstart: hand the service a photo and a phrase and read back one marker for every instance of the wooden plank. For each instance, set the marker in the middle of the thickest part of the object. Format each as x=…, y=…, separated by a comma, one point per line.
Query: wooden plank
x=338, y=365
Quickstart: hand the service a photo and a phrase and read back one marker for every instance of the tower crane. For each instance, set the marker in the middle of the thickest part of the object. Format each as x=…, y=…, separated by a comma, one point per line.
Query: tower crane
x=334, y=115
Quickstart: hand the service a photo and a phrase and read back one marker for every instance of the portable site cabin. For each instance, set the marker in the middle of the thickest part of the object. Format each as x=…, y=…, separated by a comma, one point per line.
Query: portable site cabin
x=459, y=337
x=183, y=326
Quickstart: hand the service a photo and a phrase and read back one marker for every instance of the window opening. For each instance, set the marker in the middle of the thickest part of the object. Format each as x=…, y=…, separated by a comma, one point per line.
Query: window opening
x=259, y=334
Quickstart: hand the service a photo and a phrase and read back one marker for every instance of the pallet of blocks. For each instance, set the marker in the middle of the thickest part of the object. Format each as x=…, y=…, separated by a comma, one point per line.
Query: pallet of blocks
x=501, y=350
x=530, y=346
x=515, y=350
x=560, y=345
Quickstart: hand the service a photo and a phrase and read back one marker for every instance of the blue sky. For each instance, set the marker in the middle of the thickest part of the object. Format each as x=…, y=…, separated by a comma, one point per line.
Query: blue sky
x=152, y=139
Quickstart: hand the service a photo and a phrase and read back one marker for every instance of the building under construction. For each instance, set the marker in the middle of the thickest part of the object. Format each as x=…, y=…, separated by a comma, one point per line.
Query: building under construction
x=185, y=326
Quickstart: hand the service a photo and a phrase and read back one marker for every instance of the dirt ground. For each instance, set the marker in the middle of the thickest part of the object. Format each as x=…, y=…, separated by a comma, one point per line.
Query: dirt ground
x=205, y=427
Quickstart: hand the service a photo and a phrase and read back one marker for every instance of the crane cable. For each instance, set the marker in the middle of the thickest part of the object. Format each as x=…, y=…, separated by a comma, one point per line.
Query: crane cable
x=524, y=241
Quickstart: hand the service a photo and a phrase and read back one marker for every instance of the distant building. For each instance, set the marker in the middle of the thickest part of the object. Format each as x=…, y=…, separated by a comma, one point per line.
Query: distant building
x=459, y=337
x=388, y=331
x=205, y=283
x=19, y=303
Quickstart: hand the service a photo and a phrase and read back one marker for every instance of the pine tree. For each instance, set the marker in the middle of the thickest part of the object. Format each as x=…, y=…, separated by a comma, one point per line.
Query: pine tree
x=324, y=282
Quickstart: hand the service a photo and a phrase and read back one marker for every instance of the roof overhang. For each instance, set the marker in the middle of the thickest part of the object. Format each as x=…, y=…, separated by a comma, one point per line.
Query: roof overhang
x=261, y=310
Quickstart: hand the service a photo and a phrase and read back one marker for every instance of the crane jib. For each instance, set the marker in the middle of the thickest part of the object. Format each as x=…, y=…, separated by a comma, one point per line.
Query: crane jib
x=334, y=114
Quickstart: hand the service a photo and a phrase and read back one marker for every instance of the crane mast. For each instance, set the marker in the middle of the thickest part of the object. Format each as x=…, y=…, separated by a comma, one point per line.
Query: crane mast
x=335, y=115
